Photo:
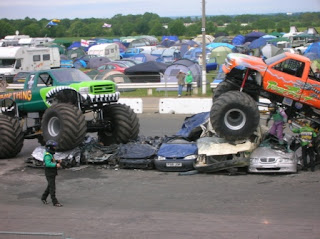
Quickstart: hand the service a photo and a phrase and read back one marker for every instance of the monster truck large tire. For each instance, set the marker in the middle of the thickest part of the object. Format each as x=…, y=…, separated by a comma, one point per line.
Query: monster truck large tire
x=223, y=87
x=11, y=137
x=123, y=124
x=234, y=115
x=65, y=124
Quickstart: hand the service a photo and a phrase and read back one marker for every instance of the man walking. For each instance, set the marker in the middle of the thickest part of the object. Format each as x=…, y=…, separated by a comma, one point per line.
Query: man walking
x=51, y=171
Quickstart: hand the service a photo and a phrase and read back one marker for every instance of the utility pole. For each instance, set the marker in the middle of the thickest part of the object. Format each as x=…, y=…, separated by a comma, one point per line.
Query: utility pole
x=204, y=60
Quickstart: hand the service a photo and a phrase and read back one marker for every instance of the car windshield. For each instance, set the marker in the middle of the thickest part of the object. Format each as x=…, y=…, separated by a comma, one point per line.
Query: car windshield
x=70, y=75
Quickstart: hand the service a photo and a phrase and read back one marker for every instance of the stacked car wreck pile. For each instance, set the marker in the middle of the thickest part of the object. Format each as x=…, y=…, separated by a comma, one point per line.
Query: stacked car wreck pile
x=195, y=147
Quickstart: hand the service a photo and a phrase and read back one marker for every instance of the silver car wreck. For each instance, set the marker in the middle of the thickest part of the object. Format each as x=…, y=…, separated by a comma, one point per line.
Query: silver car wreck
x=270, y=158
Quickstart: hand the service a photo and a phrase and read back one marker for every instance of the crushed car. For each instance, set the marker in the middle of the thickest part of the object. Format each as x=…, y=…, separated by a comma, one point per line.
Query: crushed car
x=176, y=155
x=271, y=157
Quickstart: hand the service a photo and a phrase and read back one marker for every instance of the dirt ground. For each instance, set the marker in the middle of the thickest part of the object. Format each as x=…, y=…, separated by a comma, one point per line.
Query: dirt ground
x=117, y=203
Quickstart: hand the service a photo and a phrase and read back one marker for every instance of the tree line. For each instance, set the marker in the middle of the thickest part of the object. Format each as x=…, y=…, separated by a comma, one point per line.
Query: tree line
x=153, y=24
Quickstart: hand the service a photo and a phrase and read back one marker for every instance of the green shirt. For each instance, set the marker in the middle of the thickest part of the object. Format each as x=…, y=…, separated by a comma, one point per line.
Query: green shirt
x=49, y=160
x=306, y=134
x=189, y=79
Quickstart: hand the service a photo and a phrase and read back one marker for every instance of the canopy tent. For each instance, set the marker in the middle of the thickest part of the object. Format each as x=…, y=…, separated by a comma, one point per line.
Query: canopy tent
x=270, y=50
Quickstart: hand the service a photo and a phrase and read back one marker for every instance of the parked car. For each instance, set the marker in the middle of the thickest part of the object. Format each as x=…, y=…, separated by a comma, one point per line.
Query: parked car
x=176, y=155
x=116, y=66
x=270, y=157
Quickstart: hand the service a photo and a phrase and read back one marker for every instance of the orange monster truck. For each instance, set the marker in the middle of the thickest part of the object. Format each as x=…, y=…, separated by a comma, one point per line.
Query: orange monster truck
x=285, y=78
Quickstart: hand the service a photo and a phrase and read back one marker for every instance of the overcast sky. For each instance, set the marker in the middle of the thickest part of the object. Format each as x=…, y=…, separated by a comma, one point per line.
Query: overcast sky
x=19, y=9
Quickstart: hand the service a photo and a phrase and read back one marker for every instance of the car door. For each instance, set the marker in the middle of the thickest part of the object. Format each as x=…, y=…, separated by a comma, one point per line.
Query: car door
x=285, y=78
x=311, y=90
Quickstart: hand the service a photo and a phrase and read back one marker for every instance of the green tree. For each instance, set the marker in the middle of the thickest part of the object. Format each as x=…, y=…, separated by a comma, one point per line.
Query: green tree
x=233, y=28
x=6, y=29
x=176, y=28
x=283, y=26
x=265, y=24
x=156, y=28
x=32, y=30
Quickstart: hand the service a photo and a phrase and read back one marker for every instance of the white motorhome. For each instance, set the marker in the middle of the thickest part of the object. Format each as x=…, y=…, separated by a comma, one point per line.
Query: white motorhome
x=25, y=59
x=37, y=41
x=109, y=50
x=12, y=40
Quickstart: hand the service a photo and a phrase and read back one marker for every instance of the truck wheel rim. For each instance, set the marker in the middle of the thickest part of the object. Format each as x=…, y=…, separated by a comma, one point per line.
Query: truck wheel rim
x=54, y=126
x=235, y=119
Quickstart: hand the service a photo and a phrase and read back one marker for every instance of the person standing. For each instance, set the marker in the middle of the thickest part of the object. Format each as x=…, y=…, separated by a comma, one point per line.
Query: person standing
x=51, y=171
x=189, y=80
x=279, y=117
x=180, y=77
x=307, y=135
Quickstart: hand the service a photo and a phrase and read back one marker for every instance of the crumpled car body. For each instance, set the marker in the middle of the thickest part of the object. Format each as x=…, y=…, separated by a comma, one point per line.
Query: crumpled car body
x=176, y=155
x=270, y=158
x=216, y=154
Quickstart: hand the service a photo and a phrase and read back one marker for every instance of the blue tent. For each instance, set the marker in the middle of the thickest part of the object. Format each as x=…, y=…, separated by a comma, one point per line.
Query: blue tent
x=250, y=37
x=194, y=53
x=214, y=45
x=313, y=51
x=238, y=40
x=167, y=43
x=172, y=38
x=260, y=42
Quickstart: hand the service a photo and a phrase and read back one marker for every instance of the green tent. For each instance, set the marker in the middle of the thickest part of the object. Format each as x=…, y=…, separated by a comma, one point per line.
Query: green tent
x=220, y=53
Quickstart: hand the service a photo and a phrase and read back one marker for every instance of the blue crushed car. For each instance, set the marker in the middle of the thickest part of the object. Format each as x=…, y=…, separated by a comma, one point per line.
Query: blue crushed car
x=176, y=155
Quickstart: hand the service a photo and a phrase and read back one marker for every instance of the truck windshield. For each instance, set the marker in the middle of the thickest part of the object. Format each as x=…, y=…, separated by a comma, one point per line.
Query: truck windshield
x=275, y=58
x=70, y=75
x=7, y=63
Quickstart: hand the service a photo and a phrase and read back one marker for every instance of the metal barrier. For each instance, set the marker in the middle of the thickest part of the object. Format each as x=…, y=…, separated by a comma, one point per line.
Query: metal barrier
x=31, y=235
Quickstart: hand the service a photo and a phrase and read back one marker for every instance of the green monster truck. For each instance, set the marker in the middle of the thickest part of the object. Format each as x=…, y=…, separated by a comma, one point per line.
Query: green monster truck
x=63, y=105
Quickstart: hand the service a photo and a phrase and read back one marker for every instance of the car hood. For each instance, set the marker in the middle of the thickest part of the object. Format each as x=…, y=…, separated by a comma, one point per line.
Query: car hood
x=177, y=150
x=267, y=152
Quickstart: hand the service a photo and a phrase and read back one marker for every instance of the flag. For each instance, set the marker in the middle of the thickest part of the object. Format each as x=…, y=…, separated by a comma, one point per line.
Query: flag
x=106, y=25
x=84, y=43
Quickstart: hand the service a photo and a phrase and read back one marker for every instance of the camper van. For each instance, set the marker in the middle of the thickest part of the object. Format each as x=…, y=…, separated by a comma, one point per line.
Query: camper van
x=12, y=40
x=38, y=41
x=109, y=50
x=25, y=59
